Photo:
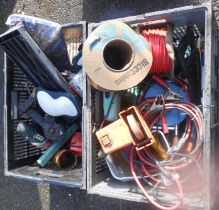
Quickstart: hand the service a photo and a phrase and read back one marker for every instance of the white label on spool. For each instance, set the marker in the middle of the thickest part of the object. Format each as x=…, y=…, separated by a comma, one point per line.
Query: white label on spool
x=140, y=66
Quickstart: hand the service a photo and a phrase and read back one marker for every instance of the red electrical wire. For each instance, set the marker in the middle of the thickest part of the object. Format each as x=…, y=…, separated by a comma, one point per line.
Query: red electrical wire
x=189, y=109
x=195, y=115
x=156, y=38
x=150, y=198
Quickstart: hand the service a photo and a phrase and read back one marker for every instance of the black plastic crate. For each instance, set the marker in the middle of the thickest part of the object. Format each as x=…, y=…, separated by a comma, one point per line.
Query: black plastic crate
x=20, y=156
x=99, y=180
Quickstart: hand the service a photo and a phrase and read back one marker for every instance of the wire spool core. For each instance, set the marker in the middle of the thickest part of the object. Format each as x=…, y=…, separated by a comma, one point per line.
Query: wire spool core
x=117, y=55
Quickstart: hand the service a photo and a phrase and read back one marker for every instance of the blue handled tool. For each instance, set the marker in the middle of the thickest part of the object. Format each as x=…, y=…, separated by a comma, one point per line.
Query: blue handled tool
x=111, y=105
x=51, y=151
x=52, y=130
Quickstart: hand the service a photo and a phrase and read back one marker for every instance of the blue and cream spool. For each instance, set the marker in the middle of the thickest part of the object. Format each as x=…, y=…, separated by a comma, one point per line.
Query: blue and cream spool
x=115, y=57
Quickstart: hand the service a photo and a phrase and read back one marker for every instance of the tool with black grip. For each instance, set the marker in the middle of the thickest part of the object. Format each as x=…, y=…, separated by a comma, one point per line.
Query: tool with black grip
x=52, y=130
x=32, y=135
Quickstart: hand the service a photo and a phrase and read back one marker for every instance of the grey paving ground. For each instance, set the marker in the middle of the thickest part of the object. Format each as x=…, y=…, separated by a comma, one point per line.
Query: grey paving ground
x=22, y=195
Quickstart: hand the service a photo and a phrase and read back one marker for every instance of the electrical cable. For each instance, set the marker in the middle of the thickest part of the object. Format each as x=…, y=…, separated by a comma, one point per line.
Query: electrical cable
x=163, y=137
x=150, y=198
x=155, y=175
x=175, y=161
x=156, y=38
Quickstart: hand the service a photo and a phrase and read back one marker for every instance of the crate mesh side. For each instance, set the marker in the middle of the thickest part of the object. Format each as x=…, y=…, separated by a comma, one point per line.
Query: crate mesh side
x=179, y=32
x=72, y=46
x=100, y=161
x=22, y=148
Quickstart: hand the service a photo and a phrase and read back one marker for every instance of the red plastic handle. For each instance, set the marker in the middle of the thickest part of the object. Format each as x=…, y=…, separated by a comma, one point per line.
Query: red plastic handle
x=164, y=124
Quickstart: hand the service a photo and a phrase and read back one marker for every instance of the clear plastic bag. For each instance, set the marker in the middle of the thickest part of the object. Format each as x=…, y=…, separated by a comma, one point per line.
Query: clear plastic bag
x=76, y=82
x=49, y=37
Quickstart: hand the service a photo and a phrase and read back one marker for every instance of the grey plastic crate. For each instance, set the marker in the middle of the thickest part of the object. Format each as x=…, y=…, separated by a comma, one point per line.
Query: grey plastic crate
x=19, y=156
x=99, y=180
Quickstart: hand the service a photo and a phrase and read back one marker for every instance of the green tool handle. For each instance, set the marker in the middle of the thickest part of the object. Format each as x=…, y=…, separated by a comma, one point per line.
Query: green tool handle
x=50, y=152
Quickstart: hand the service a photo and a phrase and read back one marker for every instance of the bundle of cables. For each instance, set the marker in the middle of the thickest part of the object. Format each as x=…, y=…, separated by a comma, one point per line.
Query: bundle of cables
x=162, y=51
x=167, y=168
x=166, y=171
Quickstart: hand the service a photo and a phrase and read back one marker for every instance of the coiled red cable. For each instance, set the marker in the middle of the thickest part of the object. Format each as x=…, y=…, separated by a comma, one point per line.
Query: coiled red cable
x=196, y=116
x=156, y=38
x=150, y=198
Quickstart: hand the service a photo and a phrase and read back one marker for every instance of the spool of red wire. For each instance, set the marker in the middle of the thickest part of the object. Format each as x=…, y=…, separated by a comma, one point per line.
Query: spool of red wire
x=157, y=39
